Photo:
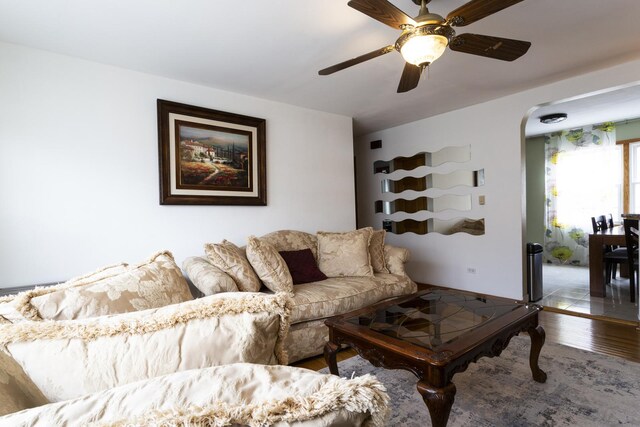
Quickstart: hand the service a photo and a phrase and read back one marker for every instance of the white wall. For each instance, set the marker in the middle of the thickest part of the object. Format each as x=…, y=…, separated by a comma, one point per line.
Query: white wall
x=494, y=131
x=79, y=169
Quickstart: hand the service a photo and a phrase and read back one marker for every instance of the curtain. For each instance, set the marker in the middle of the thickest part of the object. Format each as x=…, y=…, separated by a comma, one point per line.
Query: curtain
x=583, y=179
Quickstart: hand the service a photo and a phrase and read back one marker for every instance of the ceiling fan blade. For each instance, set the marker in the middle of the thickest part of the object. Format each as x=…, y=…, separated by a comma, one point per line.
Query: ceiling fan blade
x=489, y=46
x=476, y=10
x=410, y=77
x=356, y=60
x=383, y=11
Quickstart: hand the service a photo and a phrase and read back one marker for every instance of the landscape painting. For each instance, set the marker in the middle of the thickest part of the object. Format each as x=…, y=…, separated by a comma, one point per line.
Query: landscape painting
x=213, y=157
x=210, y=157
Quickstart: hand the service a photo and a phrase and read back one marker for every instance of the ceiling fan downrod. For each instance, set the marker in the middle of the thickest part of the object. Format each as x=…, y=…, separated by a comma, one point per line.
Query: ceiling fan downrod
x=423, y=8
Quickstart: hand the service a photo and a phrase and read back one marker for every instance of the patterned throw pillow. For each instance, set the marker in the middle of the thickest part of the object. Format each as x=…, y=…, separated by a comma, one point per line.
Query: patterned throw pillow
x=14, y=308
x=70, y=359
x=228, y=257
x=206, y=277
x=303, y=266
x=345, y=254
x=376, y=251
x=154, y=283
x=269, y=265
x=292, y=240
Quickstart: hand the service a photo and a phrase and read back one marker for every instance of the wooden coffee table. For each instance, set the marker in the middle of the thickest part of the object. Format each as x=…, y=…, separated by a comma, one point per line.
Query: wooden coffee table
x=435, y=334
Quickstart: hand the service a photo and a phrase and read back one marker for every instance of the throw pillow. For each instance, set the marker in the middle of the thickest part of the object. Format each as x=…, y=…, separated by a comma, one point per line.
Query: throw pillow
x=345, y=254
x=208, y=278
x=17, y=391
x=269, y=265
x=240, y=394
x=12, y=306
x=154, y=283
x=302, y=266
x=228, y=257
x=376, y=251
x=292, y=240
x=72, y=358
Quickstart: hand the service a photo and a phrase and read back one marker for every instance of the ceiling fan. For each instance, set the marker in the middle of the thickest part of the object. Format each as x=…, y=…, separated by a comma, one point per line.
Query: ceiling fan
x=425, y=37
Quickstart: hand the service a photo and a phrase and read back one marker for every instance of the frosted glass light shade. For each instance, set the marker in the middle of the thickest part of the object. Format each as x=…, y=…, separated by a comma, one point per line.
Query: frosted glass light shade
x=421, y=49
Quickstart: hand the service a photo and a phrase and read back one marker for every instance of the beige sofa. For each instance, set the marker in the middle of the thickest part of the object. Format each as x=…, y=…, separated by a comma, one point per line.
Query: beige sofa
x=312, y=303
x=210, y=361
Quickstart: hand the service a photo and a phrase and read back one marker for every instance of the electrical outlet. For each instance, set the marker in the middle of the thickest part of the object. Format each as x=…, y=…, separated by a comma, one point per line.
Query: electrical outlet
x=481, y=200
x=471, y=270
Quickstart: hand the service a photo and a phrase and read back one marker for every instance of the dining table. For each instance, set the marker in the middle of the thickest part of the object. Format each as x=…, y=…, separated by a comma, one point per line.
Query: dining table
x=597, y=242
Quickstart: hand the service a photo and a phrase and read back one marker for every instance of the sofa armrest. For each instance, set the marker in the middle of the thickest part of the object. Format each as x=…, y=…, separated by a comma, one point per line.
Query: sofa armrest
x=208, y=278
x=395, y=258
x=67, y=359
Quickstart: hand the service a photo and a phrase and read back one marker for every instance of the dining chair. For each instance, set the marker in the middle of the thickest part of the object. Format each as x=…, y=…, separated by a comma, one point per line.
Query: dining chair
x=599, y=223
x=612, y=256
x=611, y=225
x=631, y=238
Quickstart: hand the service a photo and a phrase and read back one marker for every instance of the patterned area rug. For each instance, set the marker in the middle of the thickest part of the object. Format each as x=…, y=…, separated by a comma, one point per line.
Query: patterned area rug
x=582, y=389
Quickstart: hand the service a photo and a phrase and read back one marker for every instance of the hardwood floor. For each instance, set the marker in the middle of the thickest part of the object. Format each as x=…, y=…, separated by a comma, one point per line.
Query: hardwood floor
x=598, y=336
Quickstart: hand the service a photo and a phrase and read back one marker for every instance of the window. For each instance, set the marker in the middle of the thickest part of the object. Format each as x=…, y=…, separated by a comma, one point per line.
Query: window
x=634, y=177
x=589, y=182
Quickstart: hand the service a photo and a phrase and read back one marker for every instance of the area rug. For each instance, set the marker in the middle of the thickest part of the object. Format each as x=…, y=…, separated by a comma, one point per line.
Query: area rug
x=582, y=389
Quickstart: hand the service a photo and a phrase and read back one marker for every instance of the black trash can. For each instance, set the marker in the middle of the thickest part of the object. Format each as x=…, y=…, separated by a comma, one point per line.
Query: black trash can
x=534, y=271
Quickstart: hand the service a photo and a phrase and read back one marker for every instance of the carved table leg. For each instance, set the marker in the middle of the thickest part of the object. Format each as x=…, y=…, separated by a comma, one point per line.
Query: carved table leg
x=537, y=335
x=330, y=350
x=438, y=400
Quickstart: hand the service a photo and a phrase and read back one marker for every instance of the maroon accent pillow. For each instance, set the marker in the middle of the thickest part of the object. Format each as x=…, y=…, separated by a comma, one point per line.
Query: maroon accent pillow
x=302, y=266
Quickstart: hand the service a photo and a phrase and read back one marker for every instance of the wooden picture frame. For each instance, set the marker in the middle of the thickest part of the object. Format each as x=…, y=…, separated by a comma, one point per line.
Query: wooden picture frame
x=210, y=157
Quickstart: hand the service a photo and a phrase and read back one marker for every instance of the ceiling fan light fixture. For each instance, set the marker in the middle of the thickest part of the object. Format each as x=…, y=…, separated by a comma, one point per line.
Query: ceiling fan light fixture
x=549, y=119
x=424, y=44
x=420, y=50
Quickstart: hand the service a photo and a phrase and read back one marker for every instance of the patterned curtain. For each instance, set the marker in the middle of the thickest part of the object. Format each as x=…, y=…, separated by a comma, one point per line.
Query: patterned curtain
x=580, y=183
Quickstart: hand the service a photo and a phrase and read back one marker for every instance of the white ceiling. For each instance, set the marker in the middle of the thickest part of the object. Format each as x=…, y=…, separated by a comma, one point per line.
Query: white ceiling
x=612, y=105
x=273, y=49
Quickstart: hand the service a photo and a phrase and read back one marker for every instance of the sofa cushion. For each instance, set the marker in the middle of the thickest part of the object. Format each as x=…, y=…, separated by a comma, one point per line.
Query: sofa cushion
x=153, y=283
x=240, y=394
x=17, y=391
x=208, y=278
x=303, y=266
x=14, y=307
x=336, y=296
x=292, y=240
x=68, y=359
x=271, y=268
x=345, y=254
x=230, y=259
x=376, y=252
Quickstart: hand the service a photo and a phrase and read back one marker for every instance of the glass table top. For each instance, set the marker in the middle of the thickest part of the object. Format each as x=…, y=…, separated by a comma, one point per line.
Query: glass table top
x=435, y=318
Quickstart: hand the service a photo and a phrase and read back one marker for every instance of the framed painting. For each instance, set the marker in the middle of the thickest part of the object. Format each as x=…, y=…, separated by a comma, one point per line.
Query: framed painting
x=210, y=157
